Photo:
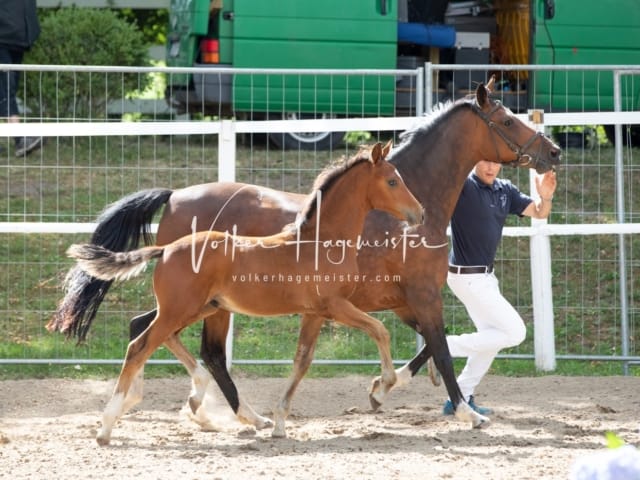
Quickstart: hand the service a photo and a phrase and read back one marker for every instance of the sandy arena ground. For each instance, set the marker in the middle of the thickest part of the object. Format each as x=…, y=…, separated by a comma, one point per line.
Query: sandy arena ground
x=540, y=425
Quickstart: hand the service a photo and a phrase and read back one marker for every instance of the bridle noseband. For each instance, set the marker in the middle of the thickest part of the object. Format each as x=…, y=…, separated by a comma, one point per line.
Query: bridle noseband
x=523, y=158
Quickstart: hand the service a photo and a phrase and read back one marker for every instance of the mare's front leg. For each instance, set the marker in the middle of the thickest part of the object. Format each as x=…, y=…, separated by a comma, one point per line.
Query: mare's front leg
x=427, y=306
x=309, y=330
x=213, y=353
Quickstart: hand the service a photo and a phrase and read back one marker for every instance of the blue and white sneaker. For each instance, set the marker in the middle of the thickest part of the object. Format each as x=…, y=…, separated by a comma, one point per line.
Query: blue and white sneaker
x=449, y=410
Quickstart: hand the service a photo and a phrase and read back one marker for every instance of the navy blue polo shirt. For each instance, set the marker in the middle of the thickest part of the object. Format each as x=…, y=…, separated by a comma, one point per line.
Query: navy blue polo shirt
x=480, y=214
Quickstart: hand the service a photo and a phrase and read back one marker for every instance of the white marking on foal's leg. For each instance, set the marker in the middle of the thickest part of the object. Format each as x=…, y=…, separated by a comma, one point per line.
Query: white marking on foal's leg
x=135, y=392
x=381, y=387
x=112, y=412
x=465, y=413
x=200, y=378
x=280, y=414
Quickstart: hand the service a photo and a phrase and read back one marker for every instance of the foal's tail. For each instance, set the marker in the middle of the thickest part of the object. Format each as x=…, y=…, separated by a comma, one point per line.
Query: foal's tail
x=106, y=265
x=119, y=228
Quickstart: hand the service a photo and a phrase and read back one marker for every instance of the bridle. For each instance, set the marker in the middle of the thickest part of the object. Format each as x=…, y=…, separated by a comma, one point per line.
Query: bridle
x=523, y=158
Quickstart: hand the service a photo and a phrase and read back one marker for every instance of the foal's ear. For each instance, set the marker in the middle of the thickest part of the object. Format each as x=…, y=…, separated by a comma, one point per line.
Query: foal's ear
x=376, y=153
x=387, y=148
x=491, y=83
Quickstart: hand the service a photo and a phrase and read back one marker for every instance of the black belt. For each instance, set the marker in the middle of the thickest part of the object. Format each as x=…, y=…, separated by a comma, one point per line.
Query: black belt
x=463, y=270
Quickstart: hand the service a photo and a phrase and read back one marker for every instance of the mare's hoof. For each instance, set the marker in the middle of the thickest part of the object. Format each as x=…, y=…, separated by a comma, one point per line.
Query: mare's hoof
x=263, y=422
x=102, y=441
x=480, y=421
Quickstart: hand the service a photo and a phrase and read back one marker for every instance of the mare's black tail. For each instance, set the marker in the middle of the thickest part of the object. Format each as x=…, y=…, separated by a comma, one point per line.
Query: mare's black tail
x=119, y=229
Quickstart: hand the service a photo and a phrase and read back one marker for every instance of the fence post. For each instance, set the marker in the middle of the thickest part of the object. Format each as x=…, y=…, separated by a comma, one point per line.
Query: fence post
x=543, y=328
x=227, y=173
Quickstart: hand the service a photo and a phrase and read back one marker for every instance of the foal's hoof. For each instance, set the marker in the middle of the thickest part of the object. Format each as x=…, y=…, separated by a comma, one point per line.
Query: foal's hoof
x=375, y=404
x=102, y=441
x=374, y=390
x=194, y=404
x=279, y=430
x=434, y=374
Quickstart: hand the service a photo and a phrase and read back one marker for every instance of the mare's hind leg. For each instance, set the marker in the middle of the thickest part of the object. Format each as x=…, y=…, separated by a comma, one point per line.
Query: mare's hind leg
x=309, y=331
x=213, y=353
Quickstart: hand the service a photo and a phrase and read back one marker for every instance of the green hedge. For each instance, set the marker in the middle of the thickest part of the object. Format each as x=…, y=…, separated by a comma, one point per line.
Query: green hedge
x=83, y=36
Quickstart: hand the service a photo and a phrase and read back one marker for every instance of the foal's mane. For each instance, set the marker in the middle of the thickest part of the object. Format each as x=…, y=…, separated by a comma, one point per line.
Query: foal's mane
x=326, y=179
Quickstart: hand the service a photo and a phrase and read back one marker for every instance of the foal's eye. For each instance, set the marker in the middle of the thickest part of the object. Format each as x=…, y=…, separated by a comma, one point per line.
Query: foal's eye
x=508, y=122
x=393, y=182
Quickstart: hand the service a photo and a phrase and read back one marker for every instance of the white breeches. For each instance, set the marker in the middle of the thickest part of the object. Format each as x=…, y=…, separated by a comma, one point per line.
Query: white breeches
x=498, y=325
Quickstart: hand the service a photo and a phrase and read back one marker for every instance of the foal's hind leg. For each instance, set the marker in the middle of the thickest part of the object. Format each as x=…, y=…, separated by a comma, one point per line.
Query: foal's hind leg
x=138, y=352
x=200, y=377
x=137, y=325
x=213, y=353
x=309, y=331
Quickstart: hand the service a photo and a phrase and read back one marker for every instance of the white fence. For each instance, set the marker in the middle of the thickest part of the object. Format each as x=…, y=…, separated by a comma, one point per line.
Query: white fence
x=602, y=326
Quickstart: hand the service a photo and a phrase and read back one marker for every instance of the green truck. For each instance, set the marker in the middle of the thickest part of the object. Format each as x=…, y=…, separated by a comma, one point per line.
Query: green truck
x=391, y=34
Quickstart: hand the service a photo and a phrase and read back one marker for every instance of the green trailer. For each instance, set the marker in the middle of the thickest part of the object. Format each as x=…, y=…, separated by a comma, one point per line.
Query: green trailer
x=391, y=34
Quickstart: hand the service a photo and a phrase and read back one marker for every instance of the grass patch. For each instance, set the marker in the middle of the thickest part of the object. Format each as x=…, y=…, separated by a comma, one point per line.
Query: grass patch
x=74, y=179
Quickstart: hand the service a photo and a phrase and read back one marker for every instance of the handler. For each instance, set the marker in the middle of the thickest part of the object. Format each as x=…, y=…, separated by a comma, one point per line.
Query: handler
x=476, y=231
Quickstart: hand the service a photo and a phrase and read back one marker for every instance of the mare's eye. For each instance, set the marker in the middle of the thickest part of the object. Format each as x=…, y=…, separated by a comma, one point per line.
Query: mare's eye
x=508, y=122
x=393, y=182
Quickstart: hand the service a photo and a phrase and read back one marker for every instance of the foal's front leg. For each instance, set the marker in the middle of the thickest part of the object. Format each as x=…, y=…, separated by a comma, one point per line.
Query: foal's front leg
x=309, y=331
x=346, y=313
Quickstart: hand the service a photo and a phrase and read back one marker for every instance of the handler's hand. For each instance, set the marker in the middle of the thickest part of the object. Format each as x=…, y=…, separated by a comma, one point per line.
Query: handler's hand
x=546, y=184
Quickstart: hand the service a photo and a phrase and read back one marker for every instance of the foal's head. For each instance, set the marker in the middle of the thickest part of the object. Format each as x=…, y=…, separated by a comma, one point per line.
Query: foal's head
x=371, y=176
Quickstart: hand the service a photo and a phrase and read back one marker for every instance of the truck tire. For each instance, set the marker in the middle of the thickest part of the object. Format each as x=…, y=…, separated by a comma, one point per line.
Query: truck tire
x=630, y=135
x=305, y=140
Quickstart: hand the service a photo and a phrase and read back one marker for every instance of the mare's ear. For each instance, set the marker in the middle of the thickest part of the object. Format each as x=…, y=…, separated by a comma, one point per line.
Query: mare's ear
x=387, y=148
x=481, y=95
x=376, y=153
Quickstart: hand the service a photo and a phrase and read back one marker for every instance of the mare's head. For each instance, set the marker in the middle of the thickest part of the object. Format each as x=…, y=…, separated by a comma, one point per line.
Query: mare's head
x=368, y=175
x=508, y=139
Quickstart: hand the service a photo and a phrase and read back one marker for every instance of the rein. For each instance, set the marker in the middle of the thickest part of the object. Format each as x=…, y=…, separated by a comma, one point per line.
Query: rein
x=522, y=157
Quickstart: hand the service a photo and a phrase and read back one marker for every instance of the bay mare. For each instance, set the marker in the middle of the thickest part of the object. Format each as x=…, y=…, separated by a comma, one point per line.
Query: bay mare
x=434, y=158
x=200, y=273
